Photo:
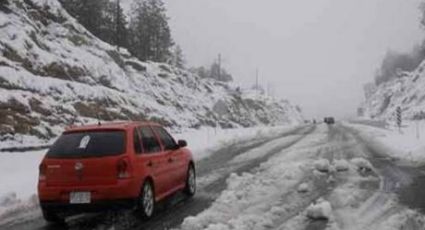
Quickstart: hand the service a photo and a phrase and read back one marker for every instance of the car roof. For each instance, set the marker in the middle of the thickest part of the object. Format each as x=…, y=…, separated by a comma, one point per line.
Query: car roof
x=109, y=125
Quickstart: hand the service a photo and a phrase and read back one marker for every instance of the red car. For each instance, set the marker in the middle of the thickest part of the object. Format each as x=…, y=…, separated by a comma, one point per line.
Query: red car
x=113, y=166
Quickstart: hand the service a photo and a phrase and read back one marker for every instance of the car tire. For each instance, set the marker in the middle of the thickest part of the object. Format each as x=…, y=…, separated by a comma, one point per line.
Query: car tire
x=52, y=217
x=190, y=188
x=146, y=200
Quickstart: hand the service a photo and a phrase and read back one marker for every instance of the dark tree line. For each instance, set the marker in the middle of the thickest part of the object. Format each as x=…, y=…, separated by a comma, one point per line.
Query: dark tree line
x=146, y=33
x=394, y=63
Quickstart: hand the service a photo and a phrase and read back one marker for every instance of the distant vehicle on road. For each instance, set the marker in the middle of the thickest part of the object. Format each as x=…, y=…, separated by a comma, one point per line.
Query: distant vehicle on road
x=329, y=120
x=113, y=166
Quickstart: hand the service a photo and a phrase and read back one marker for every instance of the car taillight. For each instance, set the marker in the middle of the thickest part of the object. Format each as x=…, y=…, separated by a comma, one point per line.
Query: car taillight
x=42, y=169
x=123, y=169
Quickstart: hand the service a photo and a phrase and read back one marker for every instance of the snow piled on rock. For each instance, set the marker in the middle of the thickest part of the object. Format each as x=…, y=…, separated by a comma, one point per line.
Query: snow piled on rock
x=322, y=209
x=54, y=73
x=406, y=92
x=322, y=165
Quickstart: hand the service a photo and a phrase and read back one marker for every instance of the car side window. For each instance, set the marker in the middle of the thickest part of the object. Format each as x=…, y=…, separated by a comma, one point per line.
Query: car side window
x=149, y=141
x=166, y=139
x=137, y=142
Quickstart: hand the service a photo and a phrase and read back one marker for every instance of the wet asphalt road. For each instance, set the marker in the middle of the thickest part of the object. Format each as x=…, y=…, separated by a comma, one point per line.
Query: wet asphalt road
x=405, y=182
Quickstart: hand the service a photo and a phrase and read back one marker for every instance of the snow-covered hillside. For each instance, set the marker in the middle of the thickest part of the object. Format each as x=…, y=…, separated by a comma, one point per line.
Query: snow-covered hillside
x=407, y=91
x=54, y=73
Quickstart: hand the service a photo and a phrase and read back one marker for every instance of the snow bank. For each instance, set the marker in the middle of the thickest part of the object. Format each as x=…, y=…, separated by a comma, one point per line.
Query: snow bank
x=322, y=165
x=303, y=188
x=406, y=145
x=19, y=173
x=341, y=165
x=320, y=210
x=362, y=164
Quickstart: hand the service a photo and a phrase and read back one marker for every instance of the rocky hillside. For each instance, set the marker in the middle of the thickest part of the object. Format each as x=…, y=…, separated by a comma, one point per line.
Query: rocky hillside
x=407, y=92
x=54, y=73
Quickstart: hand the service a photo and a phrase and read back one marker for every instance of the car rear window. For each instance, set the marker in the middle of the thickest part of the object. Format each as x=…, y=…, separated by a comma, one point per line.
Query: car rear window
x=88, y=144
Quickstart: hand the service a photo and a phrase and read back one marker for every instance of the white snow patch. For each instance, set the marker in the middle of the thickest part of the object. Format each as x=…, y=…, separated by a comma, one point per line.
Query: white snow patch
x=303, y=188
x=19, y=173
x=341, y=165
x=322, y=209
x=362, y=164
x=322, y=165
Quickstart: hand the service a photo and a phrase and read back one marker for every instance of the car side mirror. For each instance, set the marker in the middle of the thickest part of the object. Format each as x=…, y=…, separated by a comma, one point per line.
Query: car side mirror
x=182, y=143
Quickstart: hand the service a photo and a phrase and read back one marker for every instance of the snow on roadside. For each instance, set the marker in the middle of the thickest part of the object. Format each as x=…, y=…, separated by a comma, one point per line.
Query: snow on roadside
x=19, y=173
x=405, y=145
x=18, y=176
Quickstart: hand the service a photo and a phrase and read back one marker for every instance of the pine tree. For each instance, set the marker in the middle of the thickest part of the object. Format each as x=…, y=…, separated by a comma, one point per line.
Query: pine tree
x=103, y=18
x=178, y=57
x=150, y=32
x=114, y=30
x=88, y=13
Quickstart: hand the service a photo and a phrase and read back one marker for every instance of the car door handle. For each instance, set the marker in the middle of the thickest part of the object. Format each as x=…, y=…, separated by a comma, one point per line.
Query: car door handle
x=150, y=164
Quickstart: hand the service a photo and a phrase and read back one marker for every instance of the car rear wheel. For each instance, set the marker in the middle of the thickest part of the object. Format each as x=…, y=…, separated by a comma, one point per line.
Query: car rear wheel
x=190, y=188
x=147, y=200
x=52, y=217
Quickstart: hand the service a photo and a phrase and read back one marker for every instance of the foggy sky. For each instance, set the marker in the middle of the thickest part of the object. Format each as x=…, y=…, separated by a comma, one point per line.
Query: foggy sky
x=316, y=53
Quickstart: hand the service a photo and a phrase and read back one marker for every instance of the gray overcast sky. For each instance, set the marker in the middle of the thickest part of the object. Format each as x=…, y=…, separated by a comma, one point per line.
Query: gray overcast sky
x=316, y=53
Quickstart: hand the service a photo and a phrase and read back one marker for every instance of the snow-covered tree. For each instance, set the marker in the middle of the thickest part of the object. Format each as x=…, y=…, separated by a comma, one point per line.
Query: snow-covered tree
x=177, y=58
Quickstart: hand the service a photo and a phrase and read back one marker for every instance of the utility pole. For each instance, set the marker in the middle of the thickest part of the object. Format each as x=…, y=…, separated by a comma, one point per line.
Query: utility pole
x=256, y=82
x=118, y=25
x=399, y=117
x=269, y=90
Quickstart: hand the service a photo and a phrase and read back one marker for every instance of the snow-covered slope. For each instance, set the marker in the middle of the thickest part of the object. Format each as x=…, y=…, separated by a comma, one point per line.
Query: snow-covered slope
x=54, y=73
x=407, y=91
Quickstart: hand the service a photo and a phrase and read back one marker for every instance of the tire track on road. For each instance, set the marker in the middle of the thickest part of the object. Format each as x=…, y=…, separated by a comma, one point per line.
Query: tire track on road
x=401, y=186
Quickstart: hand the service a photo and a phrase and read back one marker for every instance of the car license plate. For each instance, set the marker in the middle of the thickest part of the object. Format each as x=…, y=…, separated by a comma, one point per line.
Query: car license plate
x=80, y=198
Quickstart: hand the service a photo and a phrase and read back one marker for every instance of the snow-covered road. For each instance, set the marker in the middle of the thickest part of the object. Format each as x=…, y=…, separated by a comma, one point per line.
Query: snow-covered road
x=307, y=178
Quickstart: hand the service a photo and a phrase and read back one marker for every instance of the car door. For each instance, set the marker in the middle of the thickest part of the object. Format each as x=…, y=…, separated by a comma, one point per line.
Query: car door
x=155, y=160
x=175, y=156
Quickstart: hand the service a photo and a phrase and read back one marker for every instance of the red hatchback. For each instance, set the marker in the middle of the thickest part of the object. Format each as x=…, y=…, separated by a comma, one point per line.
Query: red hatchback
x=113, y=166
